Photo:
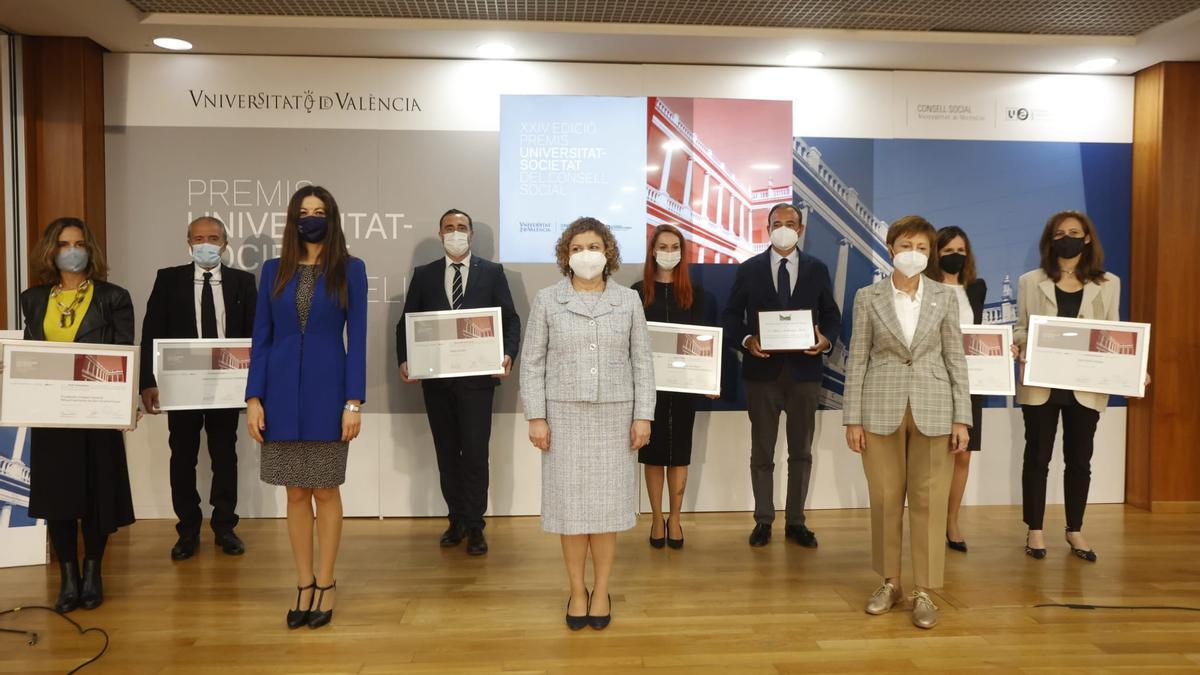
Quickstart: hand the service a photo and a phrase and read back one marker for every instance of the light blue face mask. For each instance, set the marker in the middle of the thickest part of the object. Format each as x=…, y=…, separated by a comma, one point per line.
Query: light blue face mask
x=207, y=256
x=72, y=259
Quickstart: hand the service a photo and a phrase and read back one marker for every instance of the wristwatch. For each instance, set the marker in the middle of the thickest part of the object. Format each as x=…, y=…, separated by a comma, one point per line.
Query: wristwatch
x=351, y=407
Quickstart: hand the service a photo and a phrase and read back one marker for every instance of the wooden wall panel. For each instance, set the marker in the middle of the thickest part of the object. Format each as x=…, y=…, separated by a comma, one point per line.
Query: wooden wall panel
x=1162, y=464
x=64, y=132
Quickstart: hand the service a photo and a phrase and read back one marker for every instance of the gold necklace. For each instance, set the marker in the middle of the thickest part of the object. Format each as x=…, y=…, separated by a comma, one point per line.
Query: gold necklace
x=67, y=312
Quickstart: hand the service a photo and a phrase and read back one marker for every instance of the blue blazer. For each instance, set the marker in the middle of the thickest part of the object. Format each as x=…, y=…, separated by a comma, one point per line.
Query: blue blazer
x=754, y=291
x=304, y=379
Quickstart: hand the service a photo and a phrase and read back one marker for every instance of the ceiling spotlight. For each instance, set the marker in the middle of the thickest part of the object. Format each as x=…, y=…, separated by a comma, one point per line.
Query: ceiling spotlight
x=495, y=50
x=1096, y=65
x=805, y=57
x=174, y=44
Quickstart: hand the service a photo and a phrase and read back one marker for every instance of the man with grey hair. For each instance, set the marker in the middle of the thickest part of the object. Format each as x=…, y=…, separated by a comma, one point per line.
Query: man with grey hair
x=202, y=299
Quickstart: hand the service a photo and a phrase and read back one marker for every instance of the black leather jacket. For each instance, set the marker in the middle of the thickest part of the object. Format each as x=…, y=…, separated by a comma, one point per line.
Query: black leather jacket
x=109, y=318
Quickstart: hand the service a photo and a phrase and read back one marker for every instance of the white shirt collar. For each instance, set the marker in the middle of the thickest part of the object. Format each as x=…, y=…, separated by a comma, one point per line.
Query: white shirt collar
x=199, y=272
x=793, y=257
x=466, y=262
x=914, y=298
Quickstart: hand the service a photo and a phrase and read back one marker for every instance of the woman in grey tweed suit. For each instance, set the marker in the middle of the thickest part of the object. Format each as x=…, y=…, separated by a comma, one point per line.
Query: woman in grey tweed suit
x=907, y=408
x=587, y=382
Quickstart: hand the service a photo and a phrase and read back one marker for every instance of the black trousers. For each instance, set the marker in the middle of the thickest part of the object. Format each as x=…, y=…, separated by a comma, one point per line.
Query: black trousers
x=1079, y=432
x=460, y=417
x=184, y=439
x=764, y=402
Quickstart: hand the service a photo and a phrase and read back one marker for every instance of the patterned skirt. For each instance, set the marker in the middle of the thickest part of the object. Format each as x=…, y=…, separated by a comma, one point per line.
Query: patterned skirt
x=306, y=464
x=589, y=475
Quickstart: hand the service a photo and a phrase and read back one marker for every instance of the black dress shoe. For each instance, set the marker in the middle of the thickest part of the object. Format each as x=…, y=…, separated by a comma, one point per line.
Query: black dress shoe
x=674, y=543
x=761, y=536
x=1088, y=555
x=299, y=617
x=230, y=543
x=91, y=595
x=578, y=622
x=185, y=548
x=316, y=617
x=960, y=546
x=660, y=541
x=68, y=589
x=476, y=542
x=1035, y=553
x=600, y=622
x=801, y=534
x=453, y=535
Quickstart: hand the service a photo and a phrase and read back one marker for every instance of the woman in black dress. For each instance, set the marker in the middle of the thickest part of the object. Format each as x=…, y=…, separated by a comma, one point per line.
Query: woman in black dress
x=78, y=477
x=956, y=268
x=668, y=295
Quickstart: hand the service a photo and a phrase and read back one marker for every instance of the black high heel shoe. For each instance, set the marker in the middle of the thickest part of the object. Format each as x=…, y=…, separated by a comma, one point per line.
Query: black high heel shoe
x=298, y=617
x=1088, y=555
x=960, y=546
x=600, y=622
x=1035, y=553
x=674, y=543
x=316, y=617
x=578, y=622
x=661, y=541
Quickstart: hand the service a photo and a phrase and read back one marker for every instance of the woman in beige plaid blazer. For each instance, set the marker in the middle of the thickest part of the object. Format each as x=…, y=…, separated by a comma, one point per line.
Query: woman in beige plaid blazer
x=906, y=409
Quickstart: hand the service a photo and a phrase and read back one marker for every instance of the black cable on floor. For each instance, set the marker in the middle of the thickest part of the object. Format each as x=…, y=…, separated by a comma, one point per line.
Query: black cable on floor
x=33, y=636
x=1072, y=605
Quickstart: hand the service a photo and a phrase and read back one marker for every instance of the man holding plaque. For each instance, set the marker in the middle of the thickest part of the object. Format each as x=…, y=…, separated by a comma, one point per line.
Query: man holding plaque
x=780, y=311
x=460, y=408
x=204, y=299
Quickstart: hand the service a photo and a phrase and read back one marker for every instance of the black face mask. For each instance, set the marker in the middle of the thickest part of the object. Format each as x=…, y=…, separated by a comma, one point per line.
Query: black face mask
x=952, y=263
x=1067, y=247
x=312, y=228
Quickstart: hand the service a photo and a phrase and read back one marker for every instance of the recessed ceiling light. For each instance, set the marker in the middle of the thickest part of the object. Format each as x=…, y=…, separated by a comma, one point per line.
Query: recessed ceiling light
x=805, y=57
x=174, y=44
x=495, y=50
x=1094, y=65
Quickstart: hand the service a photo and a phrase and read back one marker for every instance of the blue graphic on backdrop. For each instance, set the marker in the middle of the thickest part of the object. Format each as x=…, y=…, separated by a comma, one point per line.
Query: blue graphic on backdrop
x=1000, y=192
x=562, y=157
x=14, y=478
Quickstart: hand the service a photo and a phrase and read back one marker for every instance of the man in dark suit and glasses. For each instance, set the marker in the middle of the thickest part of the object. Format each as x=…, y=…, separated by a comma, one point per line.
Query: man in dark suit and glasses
x=781, y=278
x=203, y=299
x=460, y=408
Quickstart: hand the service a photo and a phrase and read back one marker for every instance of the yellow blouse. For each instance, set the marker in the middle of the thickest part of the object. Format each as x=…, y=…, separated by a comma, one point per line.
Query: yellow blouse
x=56, y=333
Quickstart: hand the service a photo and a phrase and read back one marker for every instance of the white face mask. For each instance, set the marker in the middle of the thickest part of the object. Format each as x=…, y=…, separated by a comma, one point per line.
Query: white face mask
x=784, y=238
x=910, y=263
x=588, y=264
x=667, y=259
x=456, y=243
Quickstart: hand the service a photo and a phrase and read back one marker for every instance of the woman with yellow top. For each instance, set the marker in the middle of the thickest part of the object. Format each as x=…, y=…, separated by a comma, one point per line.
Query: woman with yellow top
x=77, y=475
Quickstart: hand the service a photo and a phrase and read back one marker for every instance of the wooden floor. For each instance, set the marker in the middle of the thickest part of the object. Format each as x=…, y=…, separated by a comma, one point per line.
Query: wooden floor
x=405, y=605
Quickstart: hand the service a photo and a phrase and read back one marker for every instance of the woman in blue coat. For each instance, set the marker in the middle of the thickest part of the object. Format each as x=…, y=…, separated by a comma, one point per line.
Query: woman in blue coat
x=307, y=383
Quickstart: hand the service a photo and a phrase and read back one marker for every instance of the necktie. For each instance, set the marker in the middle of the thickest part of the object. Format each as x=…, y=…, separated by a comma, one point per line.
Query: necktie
x=784, y=285
x=456, y=287
x=208, y=309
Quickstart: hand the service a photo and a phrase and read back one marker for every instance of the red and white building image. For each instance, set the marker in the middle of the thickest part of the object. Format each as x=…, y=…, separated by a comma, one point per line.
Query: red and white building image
x=96, y=368
x=688, y=185
x=1114, y=342
x=235, y=358
x=688, y=344
x=983, y=345
x=475, y=327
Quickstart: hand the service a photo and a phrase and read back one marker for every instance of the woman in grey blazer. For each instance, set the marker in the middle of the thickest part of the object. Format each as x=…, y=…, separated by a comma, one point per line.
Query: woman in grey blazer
x=1071, y=282
x=907, y=408
x=587, y=383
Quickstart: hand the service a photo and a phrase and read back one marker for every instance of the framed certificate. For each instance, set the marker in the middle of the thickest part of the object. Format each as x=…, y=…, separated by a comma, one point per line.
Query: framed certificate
x=989, y=359
x=201, y=374
x=68, y=385
x=1105, y=357
x=454, y=343
x=787, y=331
x=686, y=358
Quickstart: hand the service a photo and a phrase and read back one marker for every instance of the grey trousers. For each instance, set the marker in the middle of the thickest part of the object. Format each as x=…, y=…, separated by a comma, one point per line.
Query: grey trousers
x=764, y=402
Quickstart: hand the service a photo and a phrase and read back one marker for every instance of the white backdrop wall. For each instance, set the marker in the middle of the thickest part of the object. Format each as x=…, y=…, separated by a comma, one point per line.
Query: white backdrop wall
x=189, y=134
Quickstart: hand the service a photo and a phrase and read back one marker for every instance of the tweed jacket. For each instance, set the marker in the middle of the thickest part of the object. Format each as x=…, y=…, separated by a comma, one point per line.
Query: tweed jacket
x=1035, y=297
x=884, y=376
x=575, y=355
